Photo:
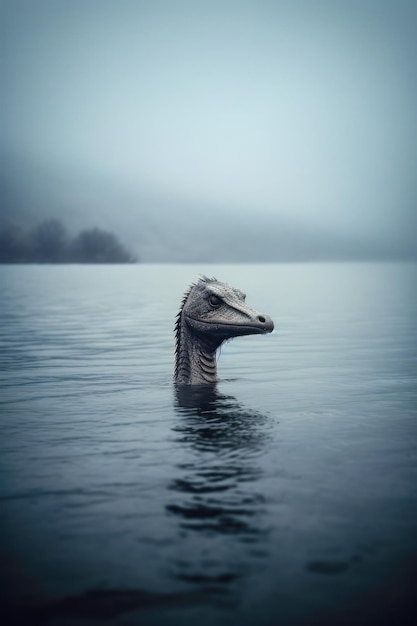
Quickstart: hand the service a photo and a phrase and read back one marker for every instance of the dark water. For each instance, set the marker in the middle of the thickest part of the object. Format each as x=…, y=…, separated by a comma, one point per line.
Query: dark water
x=287, y=495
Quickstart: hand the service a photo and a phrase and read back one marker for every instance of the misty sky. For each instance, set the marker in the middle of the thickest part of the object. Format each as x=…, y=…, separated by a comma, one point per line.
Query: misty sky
x=300, y=108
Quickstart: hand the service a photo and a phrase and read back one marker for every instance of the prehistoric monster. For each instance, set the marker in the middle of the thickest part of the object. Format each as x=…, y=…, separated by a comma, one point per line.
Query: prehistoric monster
x=211, y=313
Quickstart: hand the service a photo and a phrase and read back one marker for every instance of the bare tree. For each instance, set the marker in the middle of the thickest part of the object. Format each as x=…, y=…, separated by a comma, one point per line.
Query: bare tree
x=14, y=245
x=50, y=242
x=99, y=246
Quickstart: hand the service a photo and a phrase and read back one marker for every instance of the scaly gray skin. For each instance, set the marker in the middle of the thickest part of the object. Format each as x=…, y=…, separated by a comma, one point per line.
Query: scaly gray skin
x=211, y=312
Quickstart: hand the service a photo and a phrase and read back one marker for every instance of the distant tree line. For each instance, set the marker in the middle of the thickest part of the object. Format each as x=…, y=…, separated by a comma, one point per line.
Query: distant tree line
x=49, y=242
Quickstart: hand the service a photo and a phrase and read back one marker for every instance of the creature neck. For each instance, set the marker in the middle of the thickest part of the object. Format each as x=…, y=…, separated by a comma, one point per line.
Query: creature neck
x=195, y=358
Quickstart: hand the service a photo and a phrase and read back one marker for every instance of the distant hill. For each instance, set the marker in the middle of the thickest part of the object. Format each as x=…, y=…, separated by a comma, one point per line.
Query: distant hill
x=160, y=228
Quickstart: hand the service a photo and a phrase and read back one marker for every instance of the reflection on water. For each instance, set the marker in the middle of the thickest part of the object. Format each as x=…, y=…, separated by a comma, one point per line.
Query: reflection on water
x=217, y=493
x=226, y=425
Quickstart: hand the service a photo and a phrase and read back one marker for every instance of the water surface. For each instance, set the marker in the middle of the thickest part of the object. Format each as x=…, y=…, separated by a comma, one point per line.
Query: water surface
x=287, y=494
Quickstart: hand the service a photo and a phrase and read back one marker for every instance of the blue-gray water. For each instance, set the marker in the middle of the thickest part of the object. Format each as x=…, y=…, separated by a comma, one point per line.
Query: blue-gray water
x=285, y=496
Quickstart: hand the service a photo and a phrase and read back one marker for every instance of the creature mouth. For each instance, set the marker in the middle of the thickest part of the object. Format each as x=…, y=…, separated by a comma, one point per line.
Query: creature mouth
x=264, y=326
x=252, y=329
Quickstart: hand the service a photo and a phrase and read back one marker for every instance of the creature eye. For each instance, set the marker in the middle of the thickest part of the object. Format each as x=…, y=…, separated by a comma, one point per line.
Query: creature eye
x=214, y=300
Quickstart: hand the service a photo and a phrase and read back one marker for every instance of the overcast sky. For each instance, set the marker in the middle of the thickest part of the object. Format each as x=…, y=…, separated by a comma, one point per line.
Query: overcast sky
x=299, y=108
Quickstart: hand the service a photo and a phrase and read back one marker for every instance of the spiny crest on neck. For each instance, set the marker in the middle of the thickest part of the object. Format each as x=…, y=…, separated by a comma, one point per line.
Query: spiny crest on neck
x=177, y=327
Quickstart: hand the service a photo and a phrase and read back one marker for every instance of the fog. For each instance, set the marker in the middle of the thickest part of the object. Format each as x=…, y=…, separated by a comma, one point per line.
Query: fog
x=247, y=131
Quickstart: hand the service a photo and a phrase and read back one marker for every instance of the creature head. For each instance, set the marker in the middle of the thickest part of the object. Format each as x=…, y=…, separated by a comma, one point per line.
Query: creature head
x=215, y=312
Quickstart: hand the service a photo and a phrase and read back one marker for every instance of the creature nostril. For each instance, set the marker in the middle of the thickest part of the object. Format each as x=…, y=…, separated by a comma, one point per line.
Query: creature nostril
x=261, y=319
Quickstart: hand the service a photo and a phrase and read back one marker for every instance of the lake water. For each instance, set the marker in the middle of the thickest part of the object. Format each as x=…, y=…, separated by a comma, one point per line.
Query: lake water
x=287, y=495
